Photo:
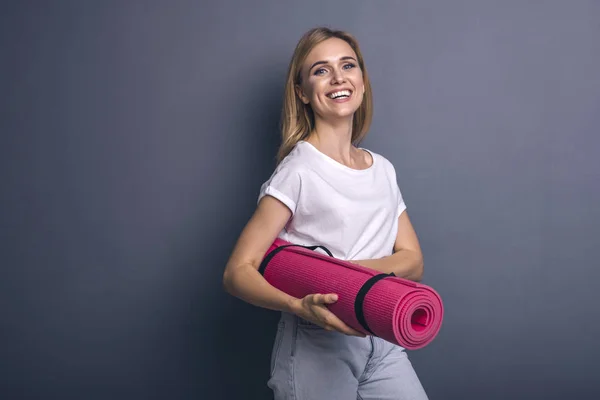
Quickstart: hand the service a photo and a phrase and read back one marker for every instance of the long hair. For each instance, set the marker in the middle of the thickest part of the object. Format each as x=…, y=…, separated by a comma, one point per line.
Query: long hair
x=297, y=118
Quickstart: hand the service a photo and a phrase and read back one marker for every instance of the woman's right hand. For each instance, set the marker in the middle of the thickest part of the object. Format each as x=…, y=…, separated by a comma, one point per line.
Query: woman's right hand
x=313, y=308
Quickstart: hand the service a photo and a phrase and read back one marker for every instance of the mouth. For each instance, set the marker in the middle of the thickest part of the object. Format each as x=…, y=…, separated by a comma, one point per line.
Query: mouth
x=340, y=94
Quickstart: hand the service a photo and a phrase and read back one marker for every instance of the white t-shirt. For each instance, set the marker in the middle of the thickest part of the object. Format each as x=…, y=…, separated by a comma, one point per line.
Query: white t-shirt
x=354, y=213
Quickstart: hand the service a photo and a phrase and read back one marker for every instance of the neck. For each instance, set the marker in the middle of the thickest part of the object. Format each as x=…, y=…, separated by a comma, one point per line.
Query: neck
x=334, y=139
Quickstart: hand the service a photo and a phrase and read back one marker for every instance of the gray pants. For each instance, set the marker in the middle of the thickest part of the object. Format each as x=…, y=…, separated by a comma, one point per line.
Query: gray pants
x=310, y=363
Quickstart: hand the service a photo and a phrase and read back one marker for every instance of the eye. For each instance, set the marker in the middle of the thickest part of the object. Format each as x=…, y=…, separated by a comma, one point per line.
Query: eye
x=320, y=71
x=349, y=66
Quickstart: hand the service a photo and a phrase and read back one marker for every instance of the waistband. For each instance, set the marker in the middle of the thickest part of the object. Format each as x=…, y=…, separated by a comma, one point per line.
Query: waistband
x=293, y=318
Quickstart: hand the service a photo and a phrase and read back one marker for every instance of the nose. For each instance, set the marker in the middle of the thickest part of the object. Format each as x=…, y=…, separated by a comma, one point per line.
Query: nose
x=337, y=76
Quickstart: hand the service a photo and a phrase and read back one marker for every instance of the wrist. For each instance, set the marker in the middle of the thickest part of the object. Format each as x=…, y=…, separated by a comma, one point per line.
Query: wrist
x=293, y=305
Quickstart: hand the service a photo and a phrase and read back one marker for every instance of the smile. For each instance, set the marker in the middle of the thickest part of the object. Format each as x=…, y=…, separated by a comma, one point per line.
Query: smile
x=340, y=94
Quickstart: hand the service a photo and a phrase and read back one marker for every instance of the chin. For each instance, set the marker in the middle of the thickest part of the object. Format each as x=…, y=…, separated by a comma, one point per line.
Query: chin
x=345, y=113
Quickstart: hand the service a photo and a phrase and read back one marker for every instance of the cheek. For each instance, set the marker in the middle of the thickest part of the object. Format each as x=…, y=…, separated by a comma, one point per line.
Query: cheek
x=308, y=88
x=358, y=81
x=318, y=88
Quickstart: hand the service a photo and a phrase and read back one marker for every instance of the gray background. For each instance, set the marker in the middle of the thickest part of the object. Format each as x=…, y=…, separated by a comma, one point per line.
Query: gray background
x=136, y=134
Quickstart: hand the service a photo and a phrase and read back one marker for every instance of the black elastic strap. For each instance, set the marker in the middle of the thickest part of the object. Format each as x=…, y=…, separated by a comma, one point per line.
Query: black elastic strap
x=265, y=261
x=360, y=298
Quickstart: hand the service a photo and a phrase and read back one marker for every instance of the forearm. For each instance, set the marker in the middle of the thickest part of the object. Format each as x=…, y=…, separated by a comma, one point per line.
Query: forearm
x=404, y=263
x=247, y=284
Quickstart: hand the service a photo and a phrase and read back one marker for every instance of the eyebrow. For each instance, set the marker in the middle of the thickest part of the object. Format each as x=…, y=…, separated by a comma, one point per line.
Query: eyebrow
x=325, y=62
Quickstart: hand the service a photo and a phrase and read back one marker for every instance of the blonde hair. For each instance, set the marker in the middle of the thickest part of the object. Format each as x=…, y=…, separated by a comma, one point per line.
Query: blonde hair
x=297, y=118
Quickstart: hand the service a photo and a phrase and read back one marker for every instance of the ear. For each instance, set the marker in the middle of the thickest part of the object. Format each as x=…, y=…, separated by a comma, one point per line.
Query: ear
x=301, y=94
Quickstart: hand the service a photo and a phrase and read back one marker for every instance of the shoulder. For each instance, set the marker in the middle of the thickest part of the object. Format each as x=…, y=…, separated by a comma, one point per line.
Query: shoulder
x=298, y=161
x=291, y=168
x=382, y=161
x=297, y=156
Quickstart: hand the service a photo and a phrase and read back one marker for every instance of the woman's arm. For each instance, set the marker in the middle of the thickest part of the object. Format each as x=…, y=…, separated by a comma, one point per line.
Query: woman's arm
x=407, y=259
x=241, y=277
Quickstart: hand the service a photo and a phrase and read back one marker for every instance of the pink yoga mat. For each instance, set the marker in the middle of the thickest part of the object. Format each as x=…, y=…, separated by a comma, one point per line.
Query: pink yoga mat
x=398, y=310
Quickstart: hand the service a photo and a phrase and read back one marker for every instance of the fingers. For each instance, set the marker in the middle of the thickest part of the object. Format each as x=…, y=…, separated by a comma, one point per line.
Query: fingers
x=328, y=319
x=332, y=323
x=340, y=326
x=324, y=298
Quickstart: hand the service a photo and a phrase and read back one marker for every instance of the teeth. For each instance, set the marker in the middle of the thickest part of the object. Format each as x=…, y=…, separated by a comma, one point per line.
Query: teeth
x=339, y=94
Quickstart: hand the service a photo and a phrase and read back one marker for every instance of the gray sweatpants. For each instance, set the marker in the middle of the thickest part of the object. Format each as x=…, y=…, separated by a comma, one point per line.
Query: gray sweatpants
x=310, y=363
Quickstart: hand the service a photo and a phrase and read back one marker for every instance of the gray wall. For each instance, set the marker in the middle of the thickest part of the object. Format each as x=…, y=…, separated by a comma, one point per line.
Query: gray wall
x=135, y=136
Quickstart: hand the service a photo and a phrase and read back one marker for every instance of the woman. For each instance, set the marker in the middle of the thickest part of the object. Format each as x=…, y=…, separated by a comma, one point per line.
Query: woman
x=325, y=190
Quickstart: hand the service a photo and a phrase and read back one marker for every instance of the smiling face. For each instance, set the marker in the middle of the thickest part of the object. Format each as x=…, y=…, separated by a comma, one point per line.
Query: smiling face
x=331, y=80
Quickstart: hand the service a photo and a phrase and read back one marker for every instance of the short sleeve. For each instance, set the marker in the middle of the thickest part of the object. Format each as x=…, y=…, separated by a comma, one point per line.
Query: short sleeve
x=400, y=204
x=284, y=185
x=400, y=201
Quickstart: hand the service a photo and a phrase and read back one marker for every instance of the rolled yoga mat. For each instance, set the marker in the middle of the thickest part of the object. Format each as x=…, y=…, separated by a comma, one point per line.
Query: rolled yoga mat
x=395, y=309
